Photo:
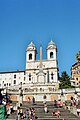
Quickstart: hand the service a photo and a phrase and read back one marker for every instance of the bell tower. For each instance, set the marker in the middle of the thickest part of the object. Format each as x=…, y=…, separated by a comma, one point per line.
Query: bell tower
x=30, y=53
x=52, y=60
x=51, y=51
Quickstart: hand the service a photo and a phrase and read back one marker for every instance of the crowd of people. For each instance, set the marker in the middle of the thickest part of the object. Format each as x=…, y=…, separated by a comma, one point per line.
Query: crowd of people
x=30, y=114
x=56, y=104
x=9, y=108
x=72, y=104
x=75, y=105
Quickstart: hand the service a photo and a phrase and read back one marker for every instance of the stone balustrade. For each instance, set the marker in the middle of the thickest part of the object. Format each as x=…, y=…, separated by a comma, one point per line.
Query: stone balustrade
x=41, y=90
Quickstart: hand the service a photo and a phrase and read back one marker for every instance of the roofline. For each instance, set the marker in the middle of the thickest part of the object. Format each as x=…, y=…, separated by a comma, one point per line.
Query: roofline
x=17, y=71
x=75, y=64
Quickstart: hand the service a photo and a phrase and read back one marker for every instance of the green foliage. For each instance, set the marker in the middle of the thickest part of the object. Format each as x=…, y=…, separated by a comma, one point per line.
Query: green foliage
x=64, y=81
x=78, y=56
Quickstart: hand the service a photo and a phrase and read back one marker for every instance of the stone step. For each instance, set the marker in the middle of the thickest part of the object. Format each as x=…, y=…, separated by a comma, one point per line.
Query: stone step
x=39, y=109
x=57, y=118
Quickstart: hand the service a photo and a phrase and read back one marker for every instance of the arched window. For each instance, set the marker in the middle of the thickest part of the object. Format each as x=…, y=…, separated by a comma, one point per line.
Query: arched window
x=30, y=56
x=51, y=54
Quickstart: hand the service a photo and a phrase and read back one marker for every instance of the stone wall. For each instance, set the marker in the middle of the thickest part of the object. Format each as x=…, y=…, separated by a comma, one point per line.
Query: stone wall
x=64, y=94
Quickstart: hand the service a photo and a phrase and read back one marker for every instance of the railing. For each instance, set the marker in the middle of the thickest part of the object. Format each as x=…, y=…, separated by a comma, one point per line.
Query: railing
x=44, y=90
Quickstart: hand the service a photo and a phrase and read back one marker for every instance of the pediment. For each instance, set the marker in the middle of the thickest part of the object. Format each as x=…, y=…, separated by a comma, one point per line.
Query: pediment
x=51, y=47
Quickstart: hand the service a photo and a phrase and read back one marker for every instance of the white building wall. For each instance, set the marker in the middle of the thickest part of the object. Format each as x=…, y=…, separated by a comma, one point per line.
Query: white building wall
x=7, y=79
x=33, y=68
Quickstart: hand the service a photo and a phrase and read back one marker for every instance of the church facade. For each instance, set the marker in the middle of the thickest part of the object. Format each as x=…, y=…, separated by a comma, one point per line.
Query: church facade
x=38, y=80
x=36, y=71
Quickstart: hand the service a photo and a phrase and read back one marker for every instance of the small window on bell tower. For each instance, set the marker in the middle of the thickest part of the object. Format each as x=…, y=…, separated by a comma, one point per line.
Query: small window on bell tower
x=51, y=54
x=30, y=56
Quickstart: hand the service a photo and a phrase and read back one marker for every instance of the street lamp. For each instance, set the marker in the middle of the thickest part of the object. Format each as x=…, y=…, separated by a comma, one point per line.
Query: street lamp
x=20, y=94
x=62, y=95
x=75, y=91
x=61, y=91
x=20, y=88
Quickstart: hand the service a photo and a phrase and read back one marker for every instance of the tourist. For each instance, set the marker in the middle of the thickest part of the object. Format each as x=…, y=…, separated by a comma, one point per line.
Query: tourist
x=44, y=97
x=77, y=101
x=21, y=113
x=78, y=111
x=33, y=101
x=45, y=108
x=72, y=101
x=53, y=113
x=65, y=105
x=8, y=109
x=15, y=108
x=59, y=103
x=29, y=100
x=57, y=113
x=4, y=101
x=11, y=106
x=55, y=104
x=32, y=114
x=27, y=114
x=18, y=113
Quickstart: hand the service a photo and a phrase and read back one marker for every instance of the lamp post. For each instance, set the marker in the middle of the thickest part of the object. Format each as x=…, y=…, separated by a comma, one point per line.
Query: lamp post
x=75, y=94
x=75, y=91
x=20, y=94
x=62, y=96
x=62, y=92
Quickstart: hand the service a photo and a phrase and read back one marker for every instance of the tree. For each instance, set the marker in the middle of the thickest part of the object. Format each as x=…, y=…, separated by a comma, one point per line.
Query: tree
x=64, y=80
x=78, y=56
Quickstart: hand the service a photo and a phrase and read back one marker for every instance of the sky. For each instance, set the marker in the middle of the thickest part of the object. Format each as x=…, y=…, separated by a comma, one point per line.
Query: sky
x=23, y=21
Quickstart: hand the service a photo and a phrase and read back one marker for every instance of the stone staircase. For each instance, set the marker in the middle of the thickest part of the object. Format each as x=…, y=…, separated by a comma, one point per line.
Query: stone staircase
x=39, y=108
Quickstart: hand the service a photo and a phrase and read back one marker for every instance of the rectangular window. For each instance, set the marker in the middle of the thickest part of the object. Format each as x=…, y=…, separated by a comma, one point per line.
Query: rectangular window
x=4, y=84
x=29, y=76
x=14, y=81
x=52, y=76
x=14, y=76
